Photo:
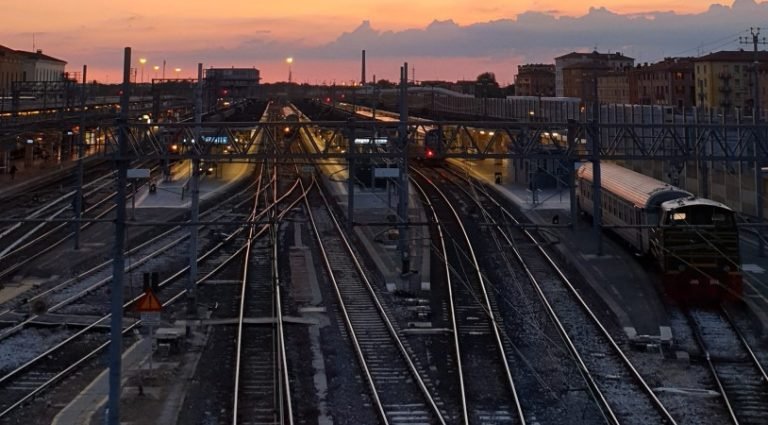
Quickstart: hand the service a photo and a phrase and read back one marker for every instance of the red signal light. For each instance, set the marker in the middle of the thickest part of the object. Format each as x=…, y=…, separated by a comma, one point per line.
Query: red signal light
x=430, y=153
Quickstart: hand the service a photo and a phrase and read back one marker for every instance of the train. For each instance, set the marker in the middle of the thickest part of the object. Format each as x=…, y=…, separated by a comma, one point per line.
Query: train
x=291, y=127
x=426, y=142
x=427, y=148
x=693, y=241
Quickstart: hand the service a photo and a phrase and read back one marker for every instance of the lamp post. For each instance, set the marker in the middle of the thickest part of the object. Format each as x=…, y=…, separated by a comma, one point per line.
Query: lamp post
x=155, y=68
x=142, y=62
x=289, y=61
x=177, y=71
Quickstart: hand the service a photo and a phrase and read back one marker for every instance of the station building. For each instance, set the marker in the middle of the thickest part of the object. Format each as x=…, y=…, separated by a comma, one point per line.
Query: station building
x=18, y=66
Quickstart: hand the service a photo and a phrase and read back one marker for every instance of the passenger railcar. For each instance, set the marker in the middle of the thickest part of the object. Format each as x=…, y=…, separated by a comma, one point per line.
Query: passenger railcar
x=694, y=241
x=427, y=147
x=290, y=128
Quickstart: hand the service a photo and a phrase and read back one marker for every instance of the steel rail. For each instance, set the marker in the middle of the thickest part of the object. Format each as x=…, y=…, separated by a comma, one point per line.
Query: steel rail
x=711, y=366
x=452, y=306
x=87, y=328
x=486, y=300
x=745, y=344
x=369, y=286
x=572, y=289
x=598, y=395
x=253, y=234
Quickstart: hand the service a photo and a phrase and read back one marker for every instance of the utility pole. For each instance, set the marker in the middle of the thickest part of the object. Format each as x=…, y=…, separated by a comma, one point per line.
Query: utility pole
x=118, y=263
x=759, y=181
x=351, y=170
x=194, y=190
x=80, y=153
x=593, y=139
x=402, y=207
x=755, y=41
x=362, y=75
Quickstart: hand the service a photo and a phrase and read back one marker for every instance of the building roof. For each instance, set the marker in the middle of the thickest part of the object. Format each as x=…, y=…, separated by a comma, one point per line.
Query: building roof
x=38, y=55
x=733, y=56
x=595, y=54
x=6, y=51
x=592, y=66
x=668, y=64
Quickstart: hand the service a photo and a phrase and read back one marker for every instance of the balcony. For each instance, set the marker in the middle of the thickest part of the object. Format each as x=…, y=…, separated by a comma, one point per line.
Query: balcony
x=725, y=76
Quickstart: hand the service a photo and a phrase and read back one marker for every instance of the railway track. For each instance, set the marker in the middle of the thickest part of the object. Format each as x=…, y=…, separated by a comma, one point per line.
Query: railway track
x=621, y=392
x=398, y=391
x=738, y=375
x=51, y=226
x=262, y=387
x=488, y=391
x=78, y=346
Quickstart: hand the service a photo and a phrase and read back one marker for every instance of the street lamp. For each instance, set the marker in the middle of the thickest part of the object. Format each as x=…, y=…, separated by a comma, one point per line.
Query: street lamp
x=142, y=61
x=155, y=68
x=177, y=71
x=289, y=61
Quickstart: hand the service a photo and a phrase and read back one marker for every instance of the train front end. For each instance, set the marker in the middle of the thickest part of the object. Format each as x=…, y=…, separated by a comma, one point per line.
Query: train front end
x=699, y=242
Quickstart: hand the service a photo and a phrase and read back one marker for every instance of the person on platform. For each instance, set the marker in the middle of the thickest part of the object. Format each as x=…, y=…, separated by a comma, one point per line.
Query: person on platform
x=13, y=171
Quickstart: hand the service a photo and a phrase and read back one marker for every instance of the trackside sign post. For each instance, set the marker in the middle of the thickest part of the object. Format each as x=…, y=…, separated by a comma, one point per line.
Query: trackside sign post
x=149, y=307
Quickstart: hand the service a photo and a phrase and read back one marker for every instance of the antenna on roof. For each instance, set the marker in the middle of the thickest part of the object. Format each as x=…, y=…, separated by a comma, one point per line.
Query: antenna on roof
x=33, y=42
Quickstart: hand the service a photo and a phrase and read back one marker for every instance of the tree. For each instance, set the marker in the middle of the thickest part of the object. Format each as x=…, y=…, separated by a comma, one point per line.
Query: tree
x=486, y=86
x=385, y=84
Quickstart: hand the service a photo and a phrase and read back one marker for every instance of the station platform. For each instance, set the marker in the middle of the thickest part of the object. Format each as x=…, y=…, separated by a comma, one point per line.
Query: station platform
x=37, y=173
x=173, y=190
x=373, y=210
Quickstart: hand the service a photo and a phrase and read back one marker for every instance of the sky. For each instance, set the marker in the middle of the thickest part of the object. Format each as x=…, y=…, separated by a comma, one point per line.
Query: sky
x=440, y=39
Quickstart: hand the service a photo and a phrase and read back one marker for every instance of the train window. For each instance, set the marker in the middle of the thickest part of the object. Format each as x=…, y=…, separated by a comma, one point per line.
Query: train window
x=718, y=217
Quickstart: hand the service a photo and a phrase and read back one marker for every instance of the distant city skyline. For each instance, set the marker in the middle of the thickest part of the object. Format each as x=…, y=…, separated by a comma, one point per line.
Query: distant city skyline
x=441, y=39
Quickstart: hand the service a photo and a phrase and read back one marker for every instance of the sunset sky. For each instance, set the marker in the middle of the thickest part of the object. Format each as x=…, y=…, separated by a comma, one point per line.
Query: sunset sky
x=442, y=39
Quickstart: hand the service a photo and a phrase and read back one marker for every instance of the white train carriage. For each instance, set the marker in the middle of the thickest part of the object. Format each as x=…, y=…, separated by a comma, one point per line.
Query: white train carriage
x=628, y=198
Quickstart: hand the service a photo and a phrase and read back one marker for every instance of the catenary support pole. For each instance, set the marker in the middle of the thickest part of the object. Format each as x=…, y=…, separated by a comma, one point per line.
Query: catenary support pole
x=402, y=207
x=351, y=164
x=80, y=152
x=118, y=263
x=194, y=188
x=593, y=134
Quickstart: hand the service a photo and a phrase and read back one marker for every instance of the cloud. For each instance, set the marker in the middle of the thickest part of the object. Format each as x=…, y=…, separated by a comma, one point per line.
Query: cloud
x=527, y=37
x=539, y=36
